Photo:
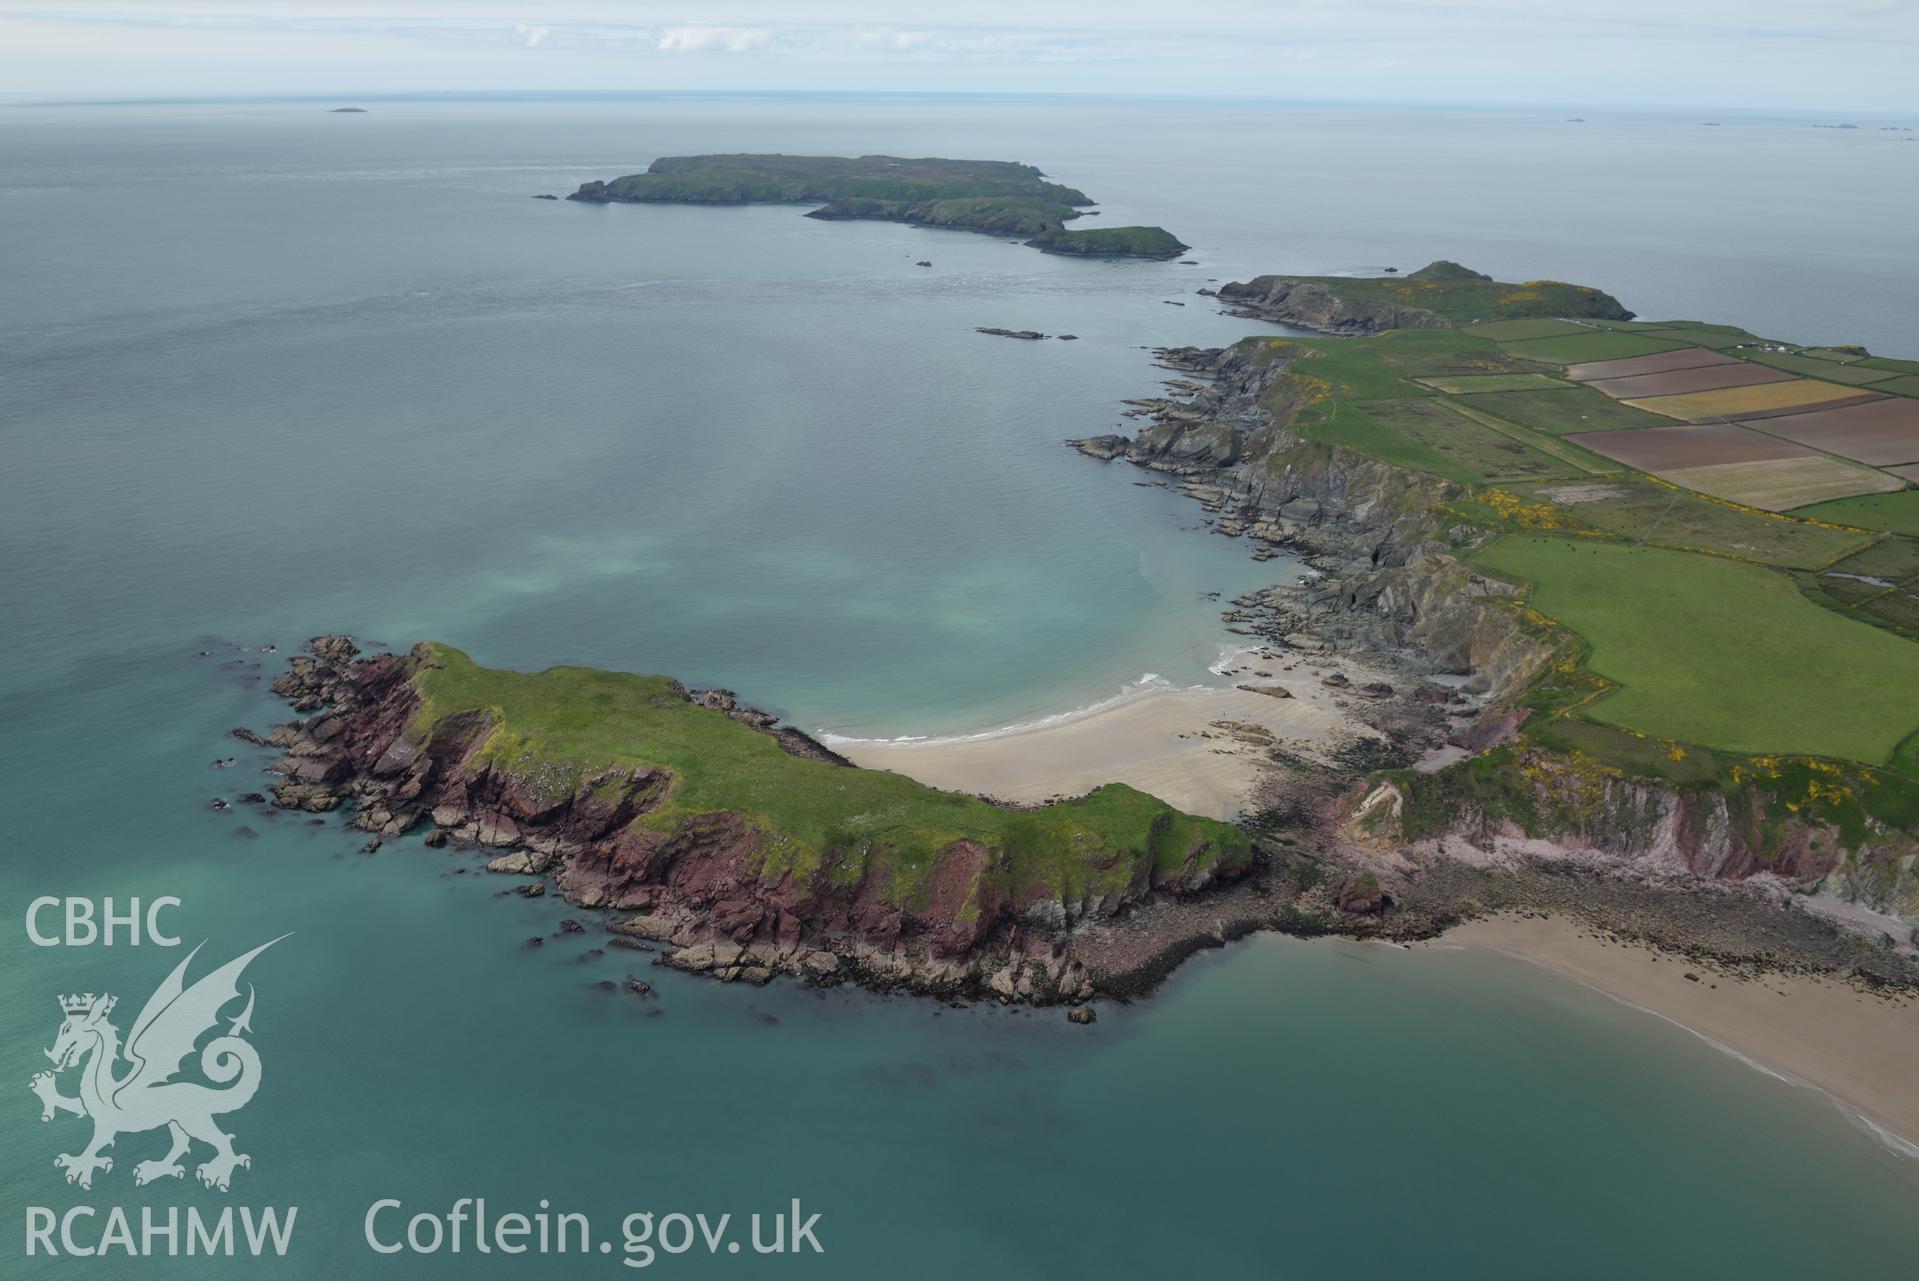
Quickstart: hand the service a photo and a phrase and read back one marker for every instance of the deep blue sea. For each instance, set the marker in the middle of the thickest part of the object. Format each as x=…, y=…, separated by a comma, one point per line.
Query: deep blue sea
x=267, y=371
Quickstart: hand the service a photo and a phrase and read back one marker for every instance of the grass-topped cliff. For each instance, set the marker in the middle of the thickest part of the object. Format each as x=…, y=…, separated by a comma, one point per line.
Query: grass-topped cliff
x=1437, y=295
x=1000, y=197
x=565, y=730
x=721, y=829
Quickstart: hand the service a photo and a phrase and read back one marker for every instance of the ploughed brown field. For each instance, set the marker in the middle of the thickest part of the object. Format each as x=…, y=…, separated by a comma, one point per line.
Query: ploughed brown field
x=1879, y=431
x=1659, y=449
x=1906, y=473
x=1701, y=378
x=1659, y=363
x=1864, y=395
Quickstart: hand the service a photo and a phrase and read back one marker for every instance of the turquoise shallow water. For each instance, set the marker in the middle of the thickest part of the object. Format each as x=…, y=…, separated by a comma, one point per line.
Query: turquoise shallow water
x=262, y=376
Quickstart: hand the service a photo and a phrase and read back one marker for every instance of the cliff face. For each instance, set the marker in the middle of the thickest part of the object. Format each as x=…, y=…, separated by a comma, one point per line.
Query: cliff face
x=1757, y=827
x=1375, y=531
x=1307, y=304
x=1391, y=584
x=719, y=888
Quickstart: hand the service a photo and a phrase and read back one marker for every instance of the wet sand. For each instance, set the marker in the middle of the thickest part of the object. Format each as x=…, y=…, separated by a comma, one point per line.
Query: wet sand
x=1859, y=1048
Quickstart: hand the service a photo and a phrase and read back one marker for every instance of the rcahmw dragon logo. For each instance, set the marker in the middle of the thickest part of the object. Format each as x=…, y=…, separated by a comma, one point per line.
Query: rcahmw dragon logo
x=145, y=1097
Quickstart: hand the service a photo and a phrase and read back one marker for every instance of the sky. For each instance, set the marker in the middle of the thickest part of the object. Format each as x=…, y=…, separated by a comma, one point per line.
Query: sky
x=1793, y=55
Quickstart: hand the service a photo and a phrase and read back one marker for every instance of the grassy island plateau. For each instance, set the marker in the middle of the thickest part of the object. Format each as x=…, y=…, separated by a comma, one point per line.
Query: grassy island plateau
x=999, y=197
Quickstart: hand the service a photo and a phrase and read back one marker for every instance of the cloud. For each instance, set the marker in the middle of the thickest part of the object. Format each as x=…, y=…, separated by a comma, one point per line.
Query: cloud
x=1837, y=53
x=702, y=39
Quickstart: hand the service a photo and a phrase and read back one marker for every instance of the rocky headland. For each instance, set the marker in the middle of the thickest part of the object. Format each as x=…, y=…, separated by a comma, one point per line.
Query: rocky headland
x=1482, y=817
x=741, y=847
x=1436, y=296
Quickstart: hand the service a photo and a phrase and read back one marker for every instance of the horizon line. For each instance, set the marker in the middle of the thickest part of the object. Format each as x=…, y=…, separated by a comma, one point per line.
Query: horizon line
x=589, y=95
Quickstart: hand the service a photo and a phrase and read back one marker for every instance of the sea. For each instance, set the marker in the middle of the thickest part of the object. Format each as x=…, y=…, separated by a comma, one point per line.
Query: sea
x=268, y=370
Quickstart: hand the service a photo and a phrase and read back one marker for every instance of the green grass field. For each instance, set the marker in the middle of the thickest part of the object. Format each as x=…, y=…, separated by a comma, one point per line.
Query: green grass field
x=1895, y=560
x=1515, y=330
x=1420, y=433
x=1373, y=395
x=1896, y=513
x=1813, y=367
x=1383, y=366
x=1463, y=384
x=1888, y=362
x=1639, y=509
x=1718, y=337
x=1569, y=408
x=1902, y=385
x=1880, y=582
x=1719, y=653
x=566, y=726
x=1575, y=458
x=1580, y=348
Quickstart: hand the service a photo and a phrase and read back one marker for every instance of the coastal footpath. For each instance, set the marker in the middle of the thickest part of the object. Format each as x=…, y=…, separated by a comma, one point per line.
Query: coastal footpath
x=997, y=197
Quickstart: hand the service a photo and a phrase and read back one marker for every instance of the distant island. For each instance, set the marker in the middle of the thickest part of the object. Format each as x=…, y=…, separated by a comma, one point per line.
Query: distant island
x=999, y=197
x=349, y=111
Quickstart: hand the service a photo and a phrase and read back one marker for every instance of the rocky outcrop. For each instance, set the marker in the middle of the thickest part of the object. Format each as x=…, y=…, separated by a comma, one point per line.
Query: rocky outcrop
x=1438, y=295
x=1387, y=582
x=1308, y=304
x=698, y=884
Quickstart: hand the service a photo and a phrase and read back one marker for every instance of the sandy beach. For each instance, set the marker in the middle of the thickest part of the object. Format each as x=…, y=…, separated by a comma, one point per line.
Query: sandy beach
x=1201, y=749
x=1859, y=1048
x=1206, y=750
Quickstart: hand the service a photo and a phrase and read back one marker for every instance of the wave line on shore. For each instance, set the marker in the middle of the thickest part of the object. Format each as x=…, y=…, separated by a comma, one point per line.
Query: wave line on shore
x=1149, y=683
